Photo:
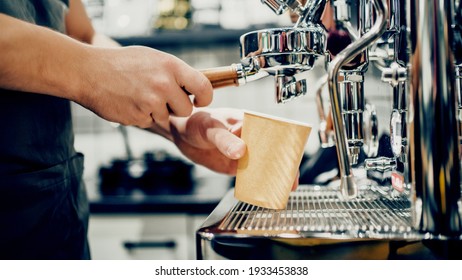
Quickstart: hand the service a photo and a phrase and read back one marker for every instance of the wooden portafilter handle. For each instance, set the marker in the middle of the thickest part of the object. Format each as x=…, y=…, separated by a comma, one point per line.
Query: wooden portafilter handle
x=220, y=77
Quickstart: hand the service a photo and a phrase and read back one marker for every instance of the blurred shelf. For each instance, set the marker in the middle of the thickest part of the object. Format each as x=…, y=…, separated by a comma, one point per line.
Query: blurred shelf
x=202, y=198
x=194, y=37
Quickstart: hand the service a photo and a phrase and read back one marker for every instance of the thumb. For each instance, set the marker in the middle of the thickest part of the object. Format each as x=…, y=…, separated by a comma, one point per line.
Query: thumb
x=226, y=142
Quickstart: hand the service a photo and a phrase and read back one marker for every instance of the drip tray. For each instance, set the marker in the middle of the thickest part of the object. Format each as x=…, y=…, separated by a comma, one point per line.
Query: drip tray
x=318, y=224
x=321, y=210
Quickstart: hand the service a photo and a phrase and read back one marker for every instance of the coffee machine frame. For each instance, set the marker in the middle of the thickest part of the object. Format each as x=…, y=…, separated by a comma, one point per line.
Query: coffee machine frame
x=416, y=45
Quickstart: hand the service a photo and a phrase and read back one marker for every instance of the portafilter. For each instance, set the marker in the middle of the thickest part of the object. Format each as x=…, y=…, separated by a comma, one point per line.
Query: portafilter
x=280, y=52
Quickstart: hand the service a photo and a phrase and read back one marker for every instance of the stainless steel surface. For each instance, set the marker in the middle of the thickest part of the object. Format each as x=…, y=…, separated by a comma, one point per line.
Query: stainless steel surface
x=342, y=10
x=283, y=53
x=413, y=209
x=351, y=90
x=325, y=131
x=371, y=131
x=398, y=125
x=366, y=14
x=352, y=72
x=311, y=13
x=281, y=6
x=394, y=71
x=458, y=86
x=380, y=164
x=390, y=56
x=395, y=74
x=348, y=186
x=457, y=27
x=318, y=223
x=434, y=153
x=342, y=17
x=283, y=49
x=317, y=210
x=289, y=87
x=308, y=14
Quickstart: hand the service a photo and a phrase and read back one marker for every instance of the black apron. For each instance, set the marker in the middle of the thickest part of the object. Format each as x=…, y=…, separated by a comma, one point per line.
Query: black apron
x=43, y=205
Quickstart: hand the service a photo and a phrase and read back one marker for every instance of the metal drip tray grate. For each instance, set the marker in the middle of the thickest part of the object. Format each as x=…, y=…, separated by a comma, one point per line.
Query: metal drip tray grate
x=314, y=210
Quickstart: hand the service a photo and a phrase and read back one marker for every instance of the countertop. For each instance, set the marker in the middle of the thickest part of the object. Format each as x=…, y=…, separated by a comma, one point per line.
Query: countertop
x=201, y=198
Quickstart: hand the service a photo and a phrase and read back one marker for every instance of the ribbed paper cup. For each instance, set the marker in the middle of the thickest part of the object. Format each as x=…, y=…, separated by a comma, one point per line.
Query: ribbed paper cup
x=267, y=171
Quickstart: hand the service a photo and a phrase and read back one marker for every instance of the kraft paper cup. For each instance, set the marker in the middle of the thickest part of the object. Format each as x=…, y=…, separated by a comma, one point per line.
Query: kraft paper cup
x=266, y=173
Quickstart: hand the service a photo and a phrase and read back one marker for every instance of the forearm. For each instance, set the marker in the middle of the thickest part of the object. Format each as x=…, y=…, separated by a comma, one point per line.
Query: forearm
x=37, y=59
x=131, y=85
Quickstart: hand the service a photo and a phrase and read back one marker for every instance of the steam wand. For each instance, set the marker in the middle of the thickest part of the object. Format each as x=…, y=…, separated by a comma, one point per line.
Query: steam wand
x=348, y=186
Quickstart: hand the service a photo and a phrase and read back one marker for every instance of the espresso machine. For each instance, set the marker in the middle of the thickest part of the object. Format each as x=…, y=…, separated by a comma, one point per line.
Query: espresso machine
x=416, y=213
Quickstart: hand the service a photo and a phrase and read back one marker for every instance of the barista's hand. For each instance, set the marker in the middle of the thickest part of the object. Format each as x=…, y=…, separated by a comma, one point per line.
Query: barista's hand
x=140, y=86
x=210, y=137
x=130, y=85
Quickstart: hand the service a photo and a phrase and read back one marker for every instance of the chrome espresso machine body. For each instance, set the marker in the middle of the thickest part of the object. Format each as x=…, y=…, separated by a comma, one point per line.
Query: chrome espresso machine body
x=416, y=213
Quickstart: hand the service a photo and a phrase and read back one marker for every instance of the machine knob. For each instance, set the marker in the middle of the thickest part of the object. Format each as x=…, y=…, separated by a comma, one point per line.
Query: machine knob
x=394, y=74
x=381, y=164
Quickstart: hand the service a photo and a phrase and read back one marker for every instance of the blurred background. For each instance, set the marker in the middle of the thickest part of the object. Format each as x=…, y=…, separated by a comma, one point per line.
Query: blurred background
x=146, y=199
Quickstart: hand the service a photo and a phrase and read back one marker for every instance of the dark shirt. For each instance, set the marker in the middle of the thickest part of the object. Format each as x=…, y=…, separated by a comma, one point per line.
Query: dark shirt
x=36, y=129
x=43, y=205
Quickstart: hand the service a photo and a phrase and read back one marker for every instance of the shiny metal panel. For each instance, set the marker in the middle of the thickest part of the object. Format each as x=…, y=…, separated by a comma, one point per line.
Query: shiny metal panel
x=293, y=48
x=348, y=186
x=433, y=124
x=318, y=210
x=318, y=224
x=415, y=212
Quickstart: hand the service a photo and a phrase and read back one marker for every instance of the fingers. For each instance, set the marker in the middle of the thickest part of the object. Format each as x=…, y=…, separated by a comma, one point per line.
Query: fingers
x=227, y=143
x=179, y=103
x=176, y=87
x=195, y=83
x=188, y=82
x=160, y=115
x=152, y=86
